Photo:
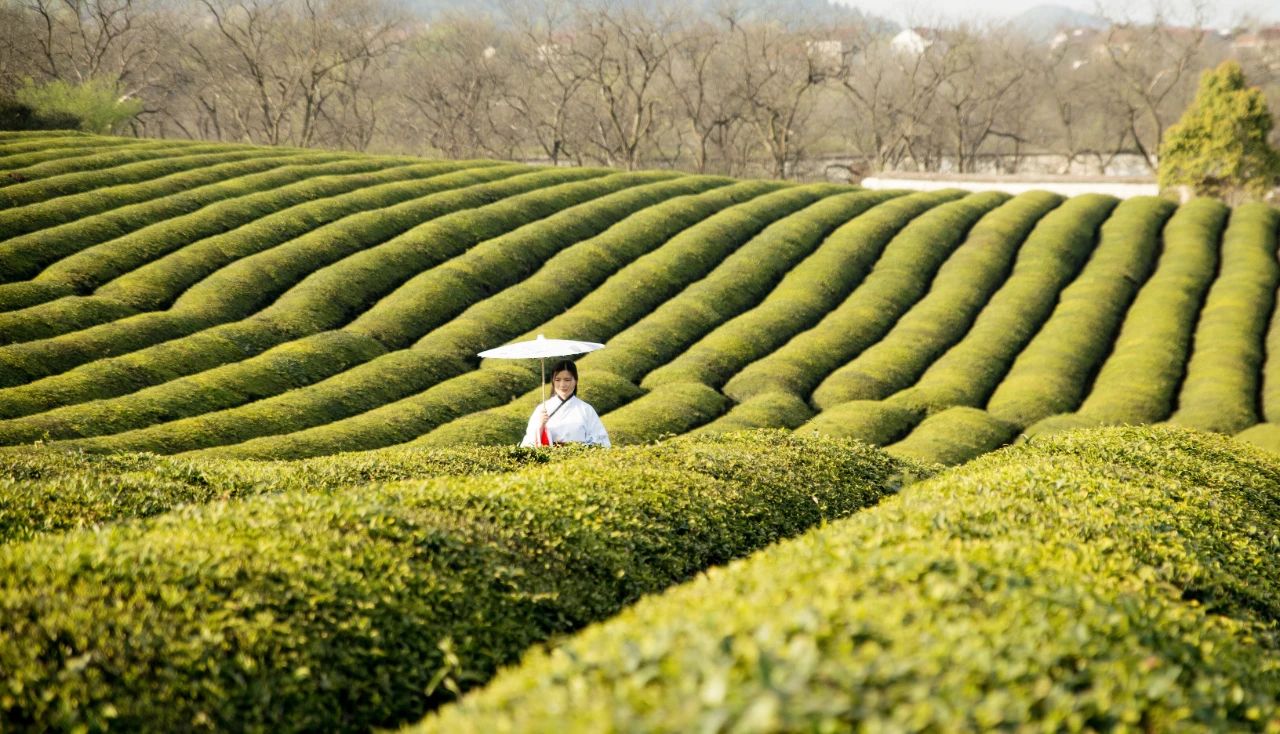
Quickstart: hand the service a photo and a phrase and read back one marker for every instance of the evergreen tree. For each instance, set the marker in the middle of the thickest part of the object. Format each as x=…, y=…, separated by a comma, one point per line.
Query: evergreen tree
x=1219, y=147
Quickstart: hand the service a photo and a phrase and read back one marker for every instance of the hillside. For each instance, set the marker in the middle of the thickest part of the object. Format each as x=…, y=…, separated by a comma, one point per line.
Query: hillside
x=241, y=302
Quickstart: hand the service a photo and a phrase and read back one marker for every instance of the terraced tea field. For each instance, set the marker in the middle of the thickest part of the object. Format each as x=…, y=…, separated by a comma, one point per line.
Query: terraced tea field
x=276, y=490
x=269, y=303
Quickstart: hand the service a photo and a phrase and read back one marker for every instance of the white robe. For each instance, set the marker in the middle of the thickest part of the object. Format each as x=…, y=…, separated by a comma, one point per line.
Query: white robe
x=576, y=422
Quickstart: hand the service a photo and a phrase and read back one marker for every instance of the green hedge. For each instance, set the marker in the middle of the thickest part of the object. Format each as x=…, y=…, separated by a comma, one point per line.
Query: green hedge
x=876, y=422
x=231, y=275
x=43, y=490
x=391, y=376
x=766, y=410
x=899, y=278
x=22, y=163
x=434, y=297
x=116, y=242
x=287, y=367
x=667, y=410
x=1118, y=580
x=954, y=436
x=1052, y=255
x=962, y=286
x=115, y=156
x=804, y=294
x=20, y=154
x=1054, y=371
x=67, y=314
x=60, y=210
x=1221, y=390
x=568, y=276
x=1139, y=381
x=48, y=201
x=14, y=296
x=346, y=610
x=240, y=288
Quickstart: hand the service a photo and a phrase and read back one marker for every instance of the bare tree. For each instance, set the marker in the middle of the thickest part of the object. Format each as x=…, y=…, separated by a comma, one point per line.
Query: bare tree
x=623, y=55
x=282, y=64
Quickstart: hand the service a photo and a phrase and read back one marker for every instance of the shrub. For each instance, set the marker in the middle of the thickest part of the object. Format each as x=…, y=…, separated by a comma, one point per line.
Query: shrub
x=899, y=278
x=1113, y=579
x=954, y=436
x=1138, y=383
x=874, y=421
x=95, y=105
x=1220, y=392
x=1055, y=369
x=1050, y=258
x=1220, y=145
x=941, y=318
x=43, y=490
x=365, y=608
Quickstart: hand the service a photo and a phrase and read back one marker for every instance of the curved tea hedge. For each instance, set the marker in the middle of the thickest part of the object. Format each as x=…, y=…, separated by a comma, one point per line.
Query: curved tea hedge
x=345, y=610
x=960, y=289
x=252, y=302
x=1220, y=392
x=1101, y=580
x=1052, y=372
x=1138, y=383
x=47, y=491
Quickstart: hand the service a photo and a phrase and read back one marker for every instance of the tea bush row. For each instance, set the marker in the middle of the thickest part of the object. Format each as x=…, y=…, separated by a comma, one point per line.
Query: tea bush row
x=102, y=247
x=1054, y=370
x=295, y=364
x=1221, y=390
x=565, y=278
x=239, y=288
x=423, y=405
x=61, y=210
x=1117, y=579
x=232, y=275
x=853, y=229
x=367, y=608
x=44, y=490
x=1138, y=383
x=1050, y=258
x=159, y=227
x=130, y=170
x=38, y=204
x=900, y=277
x=941, y=318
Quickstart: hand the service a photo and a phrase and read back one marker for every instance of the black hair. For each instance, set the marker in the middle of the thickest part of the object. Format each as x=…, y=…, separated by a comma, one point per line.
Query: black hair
x=563, y=366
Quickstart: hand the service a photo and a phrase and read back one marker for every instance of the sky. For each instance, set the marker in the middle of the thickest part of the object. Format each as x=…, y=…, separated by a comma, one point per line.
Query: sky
x=1220, y=13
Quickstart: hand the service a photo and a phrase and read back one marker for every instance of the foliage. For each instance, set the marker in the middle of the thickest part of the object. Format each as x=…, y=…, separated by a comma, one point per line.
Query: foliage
x=95, y=105
x=1097, y=580
x=338, y=611
x=1220, y=146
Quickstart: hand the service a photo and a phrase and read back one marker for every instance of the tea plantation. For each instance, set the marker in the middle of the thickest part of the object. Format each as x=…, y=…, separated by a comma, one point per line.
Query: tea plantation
x=1015, y=460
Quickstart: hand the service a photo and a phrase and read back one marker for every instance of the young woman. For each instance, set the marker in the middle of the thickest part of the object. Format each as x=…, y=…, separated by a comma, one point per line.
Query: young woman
x=565, y=418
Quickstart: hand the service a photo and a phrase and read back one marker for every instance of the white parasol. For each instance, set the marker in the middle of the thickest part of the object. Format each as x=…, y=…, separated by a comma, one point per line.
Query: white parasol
x=540, y=349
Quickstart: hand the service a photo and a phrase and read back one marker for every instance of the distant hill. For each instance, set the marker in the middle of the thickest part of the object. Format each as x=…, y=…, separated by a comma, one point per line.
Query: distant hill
x=1043, y=21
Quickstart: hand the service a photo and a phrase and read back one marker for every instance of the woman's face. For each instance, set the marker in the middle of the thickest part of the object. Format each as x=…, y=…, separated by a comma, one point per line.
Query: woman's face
x=563, y=383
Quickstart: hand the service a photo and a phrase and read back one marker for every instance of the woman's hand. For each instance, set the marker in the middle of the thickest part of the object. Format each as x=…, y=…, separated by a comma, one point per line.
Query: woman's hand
x=543, y=418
